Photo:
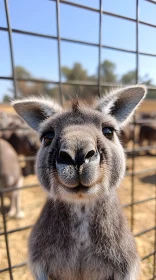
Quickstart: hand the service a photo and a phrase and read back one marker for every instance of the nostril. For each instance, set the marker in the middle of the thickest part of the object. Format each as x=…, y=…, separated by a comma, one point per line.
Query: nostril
x=90, y=154
x=65, y=157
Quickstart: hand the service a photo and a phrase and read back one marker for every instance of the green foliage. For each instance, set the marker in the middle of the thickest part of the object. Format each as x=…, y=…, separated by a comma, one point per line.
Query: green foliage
x=151, y=94
x=6, y=98
x=107, y=72
x=22, y=73
x=75, y=73
x=129, y=77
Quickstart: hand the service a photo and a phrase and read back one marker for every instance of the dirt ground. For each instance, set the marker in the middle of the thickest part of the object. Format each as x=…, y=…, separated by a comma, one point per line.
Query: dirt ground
x=33, y=200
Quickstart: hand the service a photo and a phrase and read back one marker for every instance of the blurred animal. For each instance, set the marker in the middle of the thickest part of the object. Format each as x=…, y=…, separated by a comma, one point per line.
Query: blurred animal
x=22, y=139
x=81, y=232
x=127, y=134
x=10, y=177
x=148, y=116
x=147, y=133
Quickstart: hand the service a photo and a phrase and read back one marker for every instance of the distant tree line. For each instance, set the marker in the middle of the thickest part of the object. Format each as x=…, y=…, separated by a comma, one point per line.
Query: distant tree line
x=77, y=72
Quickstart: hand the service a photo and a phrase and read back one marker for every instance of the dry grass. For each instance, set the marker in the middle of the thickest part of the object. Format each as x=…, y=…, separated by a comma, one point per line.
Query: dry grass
x=34, y=198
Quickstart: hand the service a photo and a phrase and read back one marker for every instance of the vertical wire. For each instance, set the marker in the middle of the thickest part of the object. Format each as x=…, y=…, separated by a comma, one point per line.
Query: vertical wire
x=6, y=237
x=137, y=41
x=100, y=43
x=11, y=47
x=15, y=95
x=134, y=119
x=59, y=49
x=154, y=256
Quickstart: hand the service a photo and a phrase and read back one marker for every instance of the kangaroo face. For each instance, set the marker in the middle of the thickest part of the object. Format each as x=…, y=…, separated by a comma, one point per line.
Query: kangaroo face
x=81, y=157
x=79, y=154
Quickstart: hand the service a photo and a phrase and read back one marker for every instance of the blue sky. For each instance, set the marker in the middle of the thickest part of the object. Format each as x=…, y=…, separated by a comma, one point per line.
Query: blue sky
x=39, y=56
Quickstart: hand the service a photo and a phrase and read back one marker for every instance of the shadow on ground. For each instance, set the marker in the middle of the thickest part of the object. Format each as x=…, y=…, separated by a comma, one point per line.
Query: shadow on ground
x=150, y=179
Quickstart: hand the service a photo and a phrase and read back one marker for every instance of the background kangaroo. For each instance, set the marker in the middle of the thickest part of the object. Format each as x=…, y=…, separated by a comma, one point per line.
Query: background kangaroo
x=10, y=177
x=81, y=232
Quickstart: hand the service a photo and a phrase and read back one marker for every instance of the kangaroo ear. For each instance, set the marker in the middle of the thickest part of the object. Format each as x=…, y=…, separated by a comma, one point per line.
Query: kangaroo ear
x=36, y=110
x=121, y=104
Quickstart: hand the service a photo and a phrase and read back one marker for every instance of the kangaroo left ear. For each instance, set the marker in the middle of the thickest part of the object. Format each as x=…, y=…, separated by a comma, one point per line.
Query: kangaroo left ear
x=35, y=110
x=122, y=103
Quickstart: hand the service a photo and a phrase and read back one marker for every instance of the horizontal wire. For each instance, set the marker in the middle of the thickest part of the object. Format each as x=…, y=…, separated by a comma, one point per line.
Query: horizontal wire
x=14, y=266
x=139, y=202
x=146, y=170
x=148, y=256
x=144, y=231
x=46, y=36
x=72, y=83
x=16, y=230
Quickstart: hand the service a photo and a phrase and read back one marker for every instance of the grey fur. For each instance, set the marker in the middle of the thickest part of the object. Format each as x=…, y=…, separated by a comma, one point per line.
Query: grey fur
x=81, y=232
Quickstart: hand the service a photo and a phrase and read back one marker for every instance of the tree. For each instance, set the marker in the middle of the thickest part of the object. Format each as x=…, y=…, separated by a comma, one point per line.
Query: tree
x=22, y=86
x=22, y=73
x=26, y=88
x=75, y=73
x=6, y=98
x=129, y=77
x=146, y=80
x=107, y=72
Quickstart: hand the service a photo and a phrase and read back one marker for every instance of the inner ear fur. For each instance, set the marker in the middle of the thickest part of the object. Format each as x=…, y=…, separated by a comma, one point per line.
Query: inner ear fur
x=122, y=103
x=35, y=110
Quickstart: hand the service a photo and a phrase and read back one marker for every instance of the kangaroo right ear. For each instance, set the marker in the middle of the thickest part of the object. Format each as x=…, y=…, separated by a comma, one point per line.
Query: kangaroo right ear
x=122, y=103
x=35, y=110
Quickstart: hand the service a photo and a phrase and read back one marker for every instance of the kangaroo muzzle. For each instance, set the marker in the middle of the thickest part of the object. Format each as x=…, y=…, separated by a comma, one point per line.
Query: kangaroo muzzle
x=78, y=166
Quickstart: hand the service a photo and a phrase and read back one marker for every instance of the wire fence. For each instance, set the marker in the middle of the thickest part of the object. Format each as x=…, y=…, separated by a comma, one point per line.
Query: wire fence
x=133, y=152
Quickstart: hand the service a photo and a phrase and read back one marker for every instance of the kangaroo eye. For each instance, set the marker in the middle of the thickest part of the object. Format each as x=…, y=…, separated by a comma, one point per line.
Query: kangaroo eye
x=48, y=137
x=108, y=132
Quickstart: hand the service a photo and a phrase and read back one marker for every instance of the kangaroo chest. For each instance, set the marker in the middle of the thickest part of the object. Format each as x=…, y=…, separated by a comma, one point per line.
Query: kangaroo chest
x=80, y=228
x=81, y=262
x=72, y=247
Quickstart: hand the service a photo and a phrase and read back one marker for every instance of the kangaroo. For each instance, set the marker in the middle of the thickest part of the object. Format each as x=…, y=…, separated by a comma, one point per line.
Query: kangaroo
x=25, y=142
x=147, y=133
x=10, y=177
x=82, y=233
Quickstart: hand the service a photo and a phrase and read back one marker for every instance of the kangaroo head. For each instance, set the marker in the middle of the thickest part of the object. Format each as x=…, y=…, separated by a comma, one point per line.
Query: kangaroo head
x=81, y=158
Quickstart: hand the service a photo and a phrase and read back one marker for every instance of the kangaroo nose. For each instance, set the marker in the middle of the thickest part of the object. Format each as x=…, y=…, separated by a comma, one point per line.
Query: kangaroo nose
x=77, y=158
x=86, y=154
x=89, y=155
x=66, y=157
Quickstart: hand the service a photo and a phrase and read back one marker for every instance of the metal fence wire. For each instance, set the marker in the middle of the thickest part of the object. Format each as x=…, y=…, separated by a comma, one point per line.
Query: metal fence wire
x=133, y=173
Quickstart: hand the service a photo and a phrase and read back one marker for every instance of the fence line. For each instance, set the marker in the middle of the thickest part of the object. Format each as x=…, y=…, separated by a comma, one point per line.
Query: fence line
x=133, y=152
